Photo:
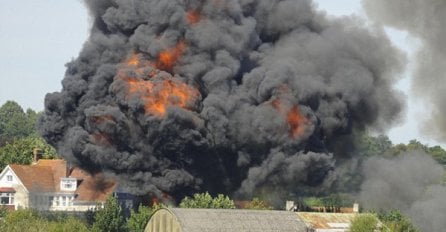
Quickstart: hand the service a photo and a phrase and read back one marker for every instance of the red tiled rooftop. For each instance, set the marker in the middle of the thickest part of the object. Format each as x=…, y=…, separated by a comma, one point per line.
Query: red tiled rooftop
x=45, y=176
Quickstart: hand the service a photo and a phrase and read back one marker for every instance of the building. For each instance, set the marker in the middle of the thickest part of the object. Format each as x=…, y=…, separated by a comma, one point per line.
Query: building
x=223, y=220
x=326, y=222
x=52, y=185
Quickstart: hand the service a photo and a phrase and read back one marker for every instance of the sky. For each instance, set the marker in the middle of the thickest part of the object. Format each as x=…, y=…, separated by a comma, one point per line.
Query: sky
x=37, y=39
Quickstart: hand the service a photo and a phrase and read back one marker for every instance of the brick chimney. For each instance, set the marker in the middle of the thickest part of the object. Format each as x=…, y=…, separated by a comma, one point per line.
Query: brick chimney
x=37, y=155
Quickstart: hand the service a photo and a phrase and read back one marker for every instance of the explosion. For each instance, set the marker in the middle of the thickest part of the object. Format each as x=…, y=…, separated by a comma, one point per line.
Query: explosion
x=234, y=97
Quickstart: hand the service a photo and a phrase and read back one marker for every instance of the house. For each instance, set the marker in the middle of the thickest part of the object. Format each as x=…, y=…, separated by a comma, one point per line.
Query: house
x=223, y=220
x=53, y=185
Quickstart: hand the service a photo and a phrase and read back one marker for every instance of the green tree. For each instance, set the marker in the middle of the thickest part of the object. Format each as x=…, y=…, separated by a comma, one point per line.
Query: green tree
x=109, y=218
x=364, y=223
x=394, y=221
x=32, y=221
x=139, y=219
x=258, y=204
x=370, y=146
x=21, y=151
x=15, y=123
x=205, y=200
x=69, y=224
x=23, y=220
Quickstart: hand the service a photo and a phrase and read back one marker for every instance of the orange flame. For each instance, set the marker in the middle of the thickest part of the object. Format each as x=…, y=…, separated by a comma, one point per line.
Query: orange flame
x=168, y=58
x=163, y=92
x=133, y=60
x=193, y=16
x=158, y=96
x=297, y=122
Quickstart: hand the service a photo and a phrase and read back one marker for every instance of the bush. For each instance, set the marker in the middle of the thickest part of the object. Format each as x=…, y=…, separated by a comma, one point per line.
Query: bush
x=110, y=218
x=139, y=219
x=205, y=201
x=364, y=223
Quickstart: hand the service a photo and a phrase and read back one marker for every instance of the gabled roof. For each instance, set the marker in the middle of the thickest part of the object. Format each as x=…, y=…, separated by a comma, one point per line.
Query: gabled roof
x=35, y=178
x=45, y=175
x=92, y=188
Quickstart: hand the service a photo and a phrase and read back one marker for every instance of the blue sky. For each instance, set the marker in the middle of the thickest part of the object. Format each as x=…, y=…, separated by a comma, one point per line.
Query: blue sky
x=38, y=37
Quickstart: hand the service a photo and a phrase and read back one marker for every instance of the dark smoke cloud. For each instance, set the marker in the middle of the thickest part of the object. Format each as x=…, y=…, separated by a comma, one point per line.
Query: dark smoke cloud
x=274, y=85
x=411, y=183
x=425, y=20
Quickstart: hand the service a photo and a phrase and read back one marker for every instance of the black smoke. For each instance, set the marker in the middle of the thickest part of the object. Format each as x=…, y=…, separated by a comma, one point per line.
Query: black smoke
x=424, y=20
x=410, y=182
x=280, y=88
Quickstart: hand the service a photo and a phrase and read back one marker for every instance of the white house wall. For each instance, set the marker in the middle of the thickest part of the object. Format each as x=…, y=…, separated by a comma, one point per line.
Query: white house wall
x=4, y=182
x=21, y=195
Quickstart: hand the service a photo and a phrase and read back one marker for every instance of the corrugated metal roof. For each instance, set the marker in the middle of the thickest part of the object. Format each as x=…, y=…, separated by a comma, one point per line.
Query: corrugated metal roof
x=233, y=220
x=326, y=220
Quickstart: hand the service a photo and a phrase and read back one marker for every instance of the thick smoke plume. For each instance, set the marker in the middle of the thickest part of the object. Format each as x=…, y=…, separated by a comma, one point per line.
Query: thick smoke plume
x=411, y=183
x=425, y=20
x=232, y=96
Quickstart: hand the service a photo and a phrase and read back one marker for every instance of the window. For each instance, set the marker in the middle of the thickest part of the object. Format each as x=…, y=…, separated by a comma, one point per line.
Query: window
x=7, y=198
x=9, y=177
x=64, y=200
x=50, y=201
x=68, y=184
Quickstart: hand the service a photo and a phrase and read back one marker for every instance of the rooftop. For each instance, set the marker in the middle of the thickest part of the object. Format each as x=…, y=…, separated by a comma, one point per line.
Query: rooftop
x=45, y=176
x=326, y=220
x=230, y=220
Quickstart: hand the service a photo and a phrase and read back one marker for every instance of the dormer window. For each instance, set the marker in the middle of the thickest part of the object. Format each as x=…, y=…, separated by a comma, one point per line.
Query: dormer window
x=9, y=177
x=68, y=184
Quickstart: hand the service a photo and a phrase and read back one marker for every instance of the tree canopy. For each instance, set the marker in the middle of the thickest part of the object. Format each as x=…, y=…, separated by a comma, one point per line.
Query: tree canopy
x=364, y=223
x=16, y=123
x=20, y=151
x=205, y=200
x=110, y=218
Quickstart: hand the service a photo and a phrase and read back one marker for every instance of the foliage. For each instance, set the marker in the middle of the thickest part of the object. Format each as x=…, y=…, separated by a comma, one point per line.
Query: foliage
x=369, y=146
x=331, y=203
x=21, y=151
x=205, y=200
x=139, y=219
x=258, y=204
x=3, y=211
x=394, y=221
x=364, y=223
x=21, y=220
x=31, y=220
x=109, y=218
x=437, y=152
x=313, y=201
x=15, y=123
x=70, y=224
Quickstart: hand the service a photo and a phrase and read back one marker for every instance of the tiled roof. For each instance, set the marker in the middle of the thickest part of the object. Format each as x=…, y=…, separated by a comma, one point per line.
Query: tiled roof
x=326, y=220
x=35, y=178
x=231, y=220
x=45, y=175
x=92, y=188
